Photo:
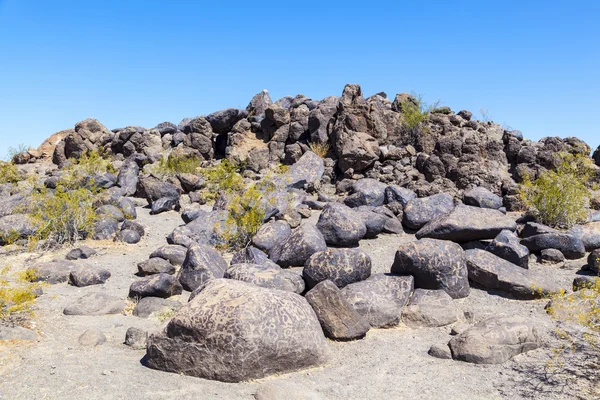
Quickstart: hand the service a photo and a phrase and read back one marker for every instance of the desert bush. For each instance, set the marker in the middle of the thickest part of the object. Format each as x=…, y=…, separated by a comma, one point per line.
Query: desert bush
x=77, y=173
x=62, y=216
x=415, y=113
x=222, y=178
x=17, y=297
x=246, y=213
x=13, y=151
x=558, y=197
x=177, y=164
x=9, y=173
x=320, y=149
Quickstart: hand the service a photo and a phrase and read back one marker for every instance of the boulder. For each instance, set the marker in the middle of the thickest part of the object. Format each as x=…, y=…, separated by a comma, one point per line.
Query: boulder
x=252, y=255
x=495, y=340
x=203, y=229
x=467, y=223
x=366, y=192
x=397, y=194
x=303, y=242
x=224, y=120
x=202, y=263
x=14, y=227
x=492, y=272
x=270, y=234
x=128, y=177
x=259, y=104
x=506, y=245
x=159, y=285
x=136, y=338
x=308, y=170
x=381, y=298
x=164, y=204
x=229, y=345
x=571, y=246
x=589, y=235
x=533, y=229
x=86, y=276
x=91, y=338
x=374, y=222
x=551, y=256
x=340, y=225
x=155, y=265
x=52, y=272
x=149, y=306
x=482, y=197
x=82, y=252
x=338, y=318
x=152, y=189
x=434, y=264
x=105, y=228
x=174, y=253
x=128, y=236
x=429, y=308
x=110, y=211
x=340, y=266
x=593, y=261
x=267, y=276
x=439, y=351
x=95, y=304
x=17, y=333
x=419, y=211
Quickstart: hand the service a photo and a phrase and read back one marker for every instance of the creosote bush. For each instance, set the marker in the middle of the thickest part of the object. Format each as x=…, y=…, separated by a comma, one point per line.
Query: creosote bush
x=17, y=297
x=246, y=213
x=222, y=178
x=9, y=173
x=415, y=113
x=558, y=197
x=77, y=174
x=177, y=164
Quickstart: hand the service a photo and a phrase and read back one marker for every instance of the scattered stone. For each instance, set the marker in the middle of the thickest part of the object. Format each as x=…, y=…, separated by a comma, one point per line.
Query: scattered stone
x=128, y=236
x=175, y=254
x=303, y=242
x=366, y=192
x=110, y=211
x=533, y=229
x=267, y=276
x=483, y=198
x=91, y=338
x=17, y=333
x=552, y=256
x=252, y=255
x=495, y=340
x=159, y=285
x=429, y=308
x=52, y=272
x=133, y=226
x=467, y=223
x=506, y=245
x=237, y=318
x=593, y=261
x=589, y=235
x=136, y=338
x=128, y=177
x=95, y=304
x=397, y=194
x=87, y=276
x=164, y=204
x=381, y=298
x=419, y=211
x=340, y=225
x=15, y=226
x=201, y=264
x=341, y=266
x=105, y=228
x=374, y=222
x=572, y=247
x=155, y=265
x=585, y=282
x=493, y=272
x=82, y=252
x=149, y=306
x=435, y=264
x=439, y=351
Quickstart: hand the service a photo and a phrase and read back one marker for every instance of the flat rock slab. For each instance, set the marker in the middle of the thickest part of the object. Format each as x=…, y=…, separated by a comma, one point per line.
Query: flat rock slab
x=495, y=340
x=495, y=273
x=571, y=246
x=381, y=298
x=419, y=211
x=221, y=334
x=148, y=306
x=340, y=321
x=17, y=333
x=429, y=308
x=267, y=276
x=434, y=264
x=52, y=272
x=95, y=304
x=467, y=223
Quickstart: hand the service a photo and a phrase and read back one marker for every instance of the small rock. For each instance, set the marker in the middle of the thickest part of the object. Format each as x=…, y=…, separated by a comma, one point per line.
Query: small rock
x=439, y=351
x=82, y=252
x=95, y=304
x=149, y=306
x=159, y=285
x=87, y=276
x=552, y=256
x=136, y=338
x=155, y=265
x=91, y=338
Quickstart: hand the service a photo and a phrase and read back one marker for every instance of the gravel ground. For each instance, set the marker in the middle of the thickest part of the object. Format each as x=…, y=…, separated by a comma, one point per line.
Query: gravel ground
x=386, y=364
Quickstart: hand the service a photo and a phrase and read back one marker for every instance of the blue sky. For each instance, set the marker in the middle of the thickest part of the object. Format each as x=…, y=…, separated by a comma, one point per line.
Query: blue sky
x=534, y=65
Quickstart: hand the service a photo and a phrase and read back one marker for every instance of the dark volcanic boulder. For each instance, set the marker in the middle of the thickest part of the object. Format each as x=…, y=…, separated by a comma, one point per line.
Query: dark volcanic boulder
x=224, y=120
x=202, y=263
x=589, y=235
x=52, y=272
x=381, y=298
x=341, y=266
x=270, y=234
x=105, y=228
x=594, y=261
x=304, y=241
x=366, y=192
x=506, y=245
x=87, y=276
x=152, y=189
x=338, y=318
x=429, y=308
x=491, y=272
x=374, y=222
x=128, y=177
x=533, y=229
x=495, y=340
x=467, y=223
x=267, y=276
x=82, y=252
x=571, y=246
x=203, y=229
x=174, y=253
x=435, y=264
x=247, y=332
x=160, y=285
x=482, y=197
x=155, y=265
x=164, y=204
x=308, y=169
x=399, y=194
x=340, y=225
x=251, y=255
x=16, y=226
x=419, y=211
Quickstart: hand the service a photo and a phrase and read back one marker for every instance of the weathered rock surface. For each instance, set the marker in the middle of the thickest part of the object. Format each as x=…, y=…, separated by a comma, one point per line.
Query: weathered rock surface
x=267, y=276
x=419, y=211
x=429, y=308
x=435, y=264
x=571, y=246
x=482, y=197
x=495, y=340
x=148, y=306
x=270, y=234
x=341, y=266
x=366, y=192
x=87, y=276
x=229, y=345
x=155, y=265
x=381, y=298
x=95, y=304
x=202, y=263
x=52, y=272
x=136, y=338
x=467, y=223
x=340, y=225
x=507, y=245
x=159, y=285
x=589, y=235
x=304, y=241
x=175, y=254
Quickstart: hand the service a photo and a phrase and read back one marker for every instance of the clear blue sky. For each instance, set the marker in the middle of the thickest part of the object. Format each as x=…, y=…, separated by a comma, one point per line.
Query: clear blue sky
x=534, y=65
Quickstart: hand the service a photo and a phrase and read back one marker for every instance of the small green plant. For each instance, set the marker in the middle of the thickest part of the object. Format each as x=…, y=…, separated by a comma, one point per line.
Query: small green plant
x=17, y=298
x=13, y=151
x=320, y=149
x=222, y=178
x=166, y=314
x=78, y=172
x=174, y=164
x=413, y=118
x=64, y=216
x=246, y=213
x=558, y=197
x=9, y=173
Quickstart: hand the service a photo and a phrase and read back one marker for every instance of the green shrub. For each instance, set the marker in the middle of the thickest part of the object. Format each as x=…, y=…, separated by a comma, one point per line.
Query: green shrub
x=64, y=216
x=17, y=298
x=13, y=151
x=413, y=118
x=246, y=213
x=174, y=164
x=558, y=197
x=9, y=173
x=222, y=178
x=77, y=173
